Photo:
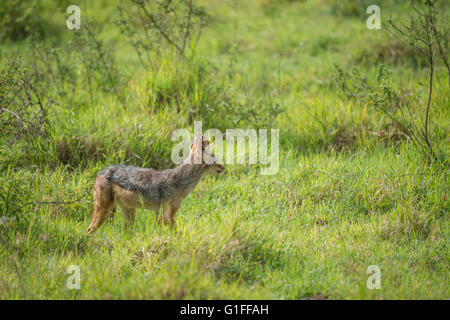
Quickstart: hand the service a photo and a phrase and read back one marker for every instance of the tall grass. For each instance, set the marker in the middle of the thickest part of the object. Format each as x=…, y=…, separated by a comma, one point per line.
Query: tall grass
x=351, y=191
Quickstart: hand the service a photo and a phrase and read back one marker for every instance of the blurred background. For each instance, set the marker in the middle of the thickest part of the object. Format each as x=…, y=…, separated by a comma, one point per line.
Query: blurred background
x=363, y=145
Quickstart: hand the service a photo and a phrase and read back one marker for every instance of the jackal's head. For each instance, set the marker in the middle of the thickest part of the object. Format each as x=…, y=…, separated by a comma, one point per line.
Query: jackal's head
x=201, y=154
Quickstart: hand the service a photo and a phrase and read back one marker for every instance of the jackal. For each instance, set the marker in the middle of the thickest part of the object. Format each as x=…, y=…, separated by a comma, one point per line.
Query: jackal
x=133, y=187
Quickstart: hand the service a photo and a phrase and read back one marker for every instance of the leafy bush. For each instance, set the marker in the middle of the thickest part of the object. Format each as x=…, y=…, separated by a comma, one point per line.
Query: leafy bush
x=16, y=18
x=21, y=19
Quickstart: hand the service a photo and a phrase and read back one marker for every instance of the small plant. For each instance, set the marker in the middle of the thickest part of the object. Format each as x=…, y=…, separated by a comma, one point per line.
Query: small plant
x=350, y=83
x=384, y=96
x=258, y=114
x=426, y=34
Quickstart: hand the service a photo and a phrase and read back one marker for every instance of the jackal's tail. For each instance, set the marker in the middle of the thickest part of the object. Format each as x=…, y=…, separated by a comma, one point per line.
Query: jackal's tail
x=103, y=202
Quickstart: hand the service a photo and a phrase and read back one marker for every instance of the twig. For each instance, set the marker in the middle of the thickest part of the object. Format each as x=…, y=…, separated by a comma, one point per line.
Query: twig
x=430, y=91
x=49, y=202
x=15, y=115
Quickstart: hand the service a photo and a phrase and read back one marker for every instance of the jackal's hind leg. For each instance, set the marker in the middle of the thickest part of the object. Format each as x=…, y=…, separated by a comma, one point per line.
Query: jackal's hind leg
x=100, y=215
x=103, y=203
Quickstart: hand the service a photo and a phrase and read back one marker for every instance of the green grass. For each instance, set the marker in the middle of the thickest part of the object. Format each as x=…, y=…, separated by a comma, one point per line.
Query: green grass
x=350, y=192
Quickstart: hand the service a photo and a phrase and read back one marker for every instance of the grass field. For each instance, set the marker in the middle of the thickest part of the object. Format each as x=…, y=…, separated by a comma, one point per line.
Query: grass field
x=351, y=191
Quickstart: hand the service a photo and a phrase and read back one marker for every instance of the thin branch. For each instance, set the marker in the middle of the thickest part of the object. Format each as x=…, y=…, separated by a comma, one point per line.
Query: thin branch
x=160, y=30
x=188, y=27
x=49, y=203
x=430, y=91
x=15, y=115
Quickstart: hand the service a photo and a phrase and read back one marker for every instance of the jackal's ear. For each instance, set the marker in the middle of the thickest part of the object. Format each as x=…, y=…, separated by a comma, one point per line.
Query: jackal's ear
x=197, y=140
x=205, y=142
x=200, y=140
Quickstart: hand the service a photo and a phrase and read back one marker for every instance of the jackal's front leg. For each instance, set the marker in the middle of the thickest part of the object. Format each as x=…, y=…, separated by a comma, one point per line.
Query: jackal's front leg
x=128, y=216
x=158, y=215
x=169, y=214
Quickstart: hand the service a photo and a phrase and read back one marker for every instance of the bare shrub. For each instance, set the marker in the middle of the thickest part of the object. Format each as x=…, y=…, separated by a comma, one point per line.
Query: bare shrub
x=23, y=109
x=151, y=24
x=426, y=32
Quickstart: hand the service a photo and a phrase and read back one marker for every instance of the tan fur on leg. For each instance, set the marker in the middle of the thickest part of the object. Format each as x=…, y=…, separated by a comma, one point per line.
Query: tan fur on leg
x=103, y=203
x=169, y=214
x=128, y=216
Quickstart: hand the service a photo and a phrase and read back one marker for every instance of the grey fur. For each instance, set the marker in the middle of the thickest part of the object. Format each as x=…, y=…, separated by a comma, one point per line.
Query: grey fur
x=155, y=186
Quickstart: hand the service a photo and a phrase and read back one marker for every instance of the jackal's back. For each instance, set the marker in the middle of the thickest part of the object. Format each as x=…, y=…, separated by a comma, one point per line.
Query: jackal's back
x=150, y=183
